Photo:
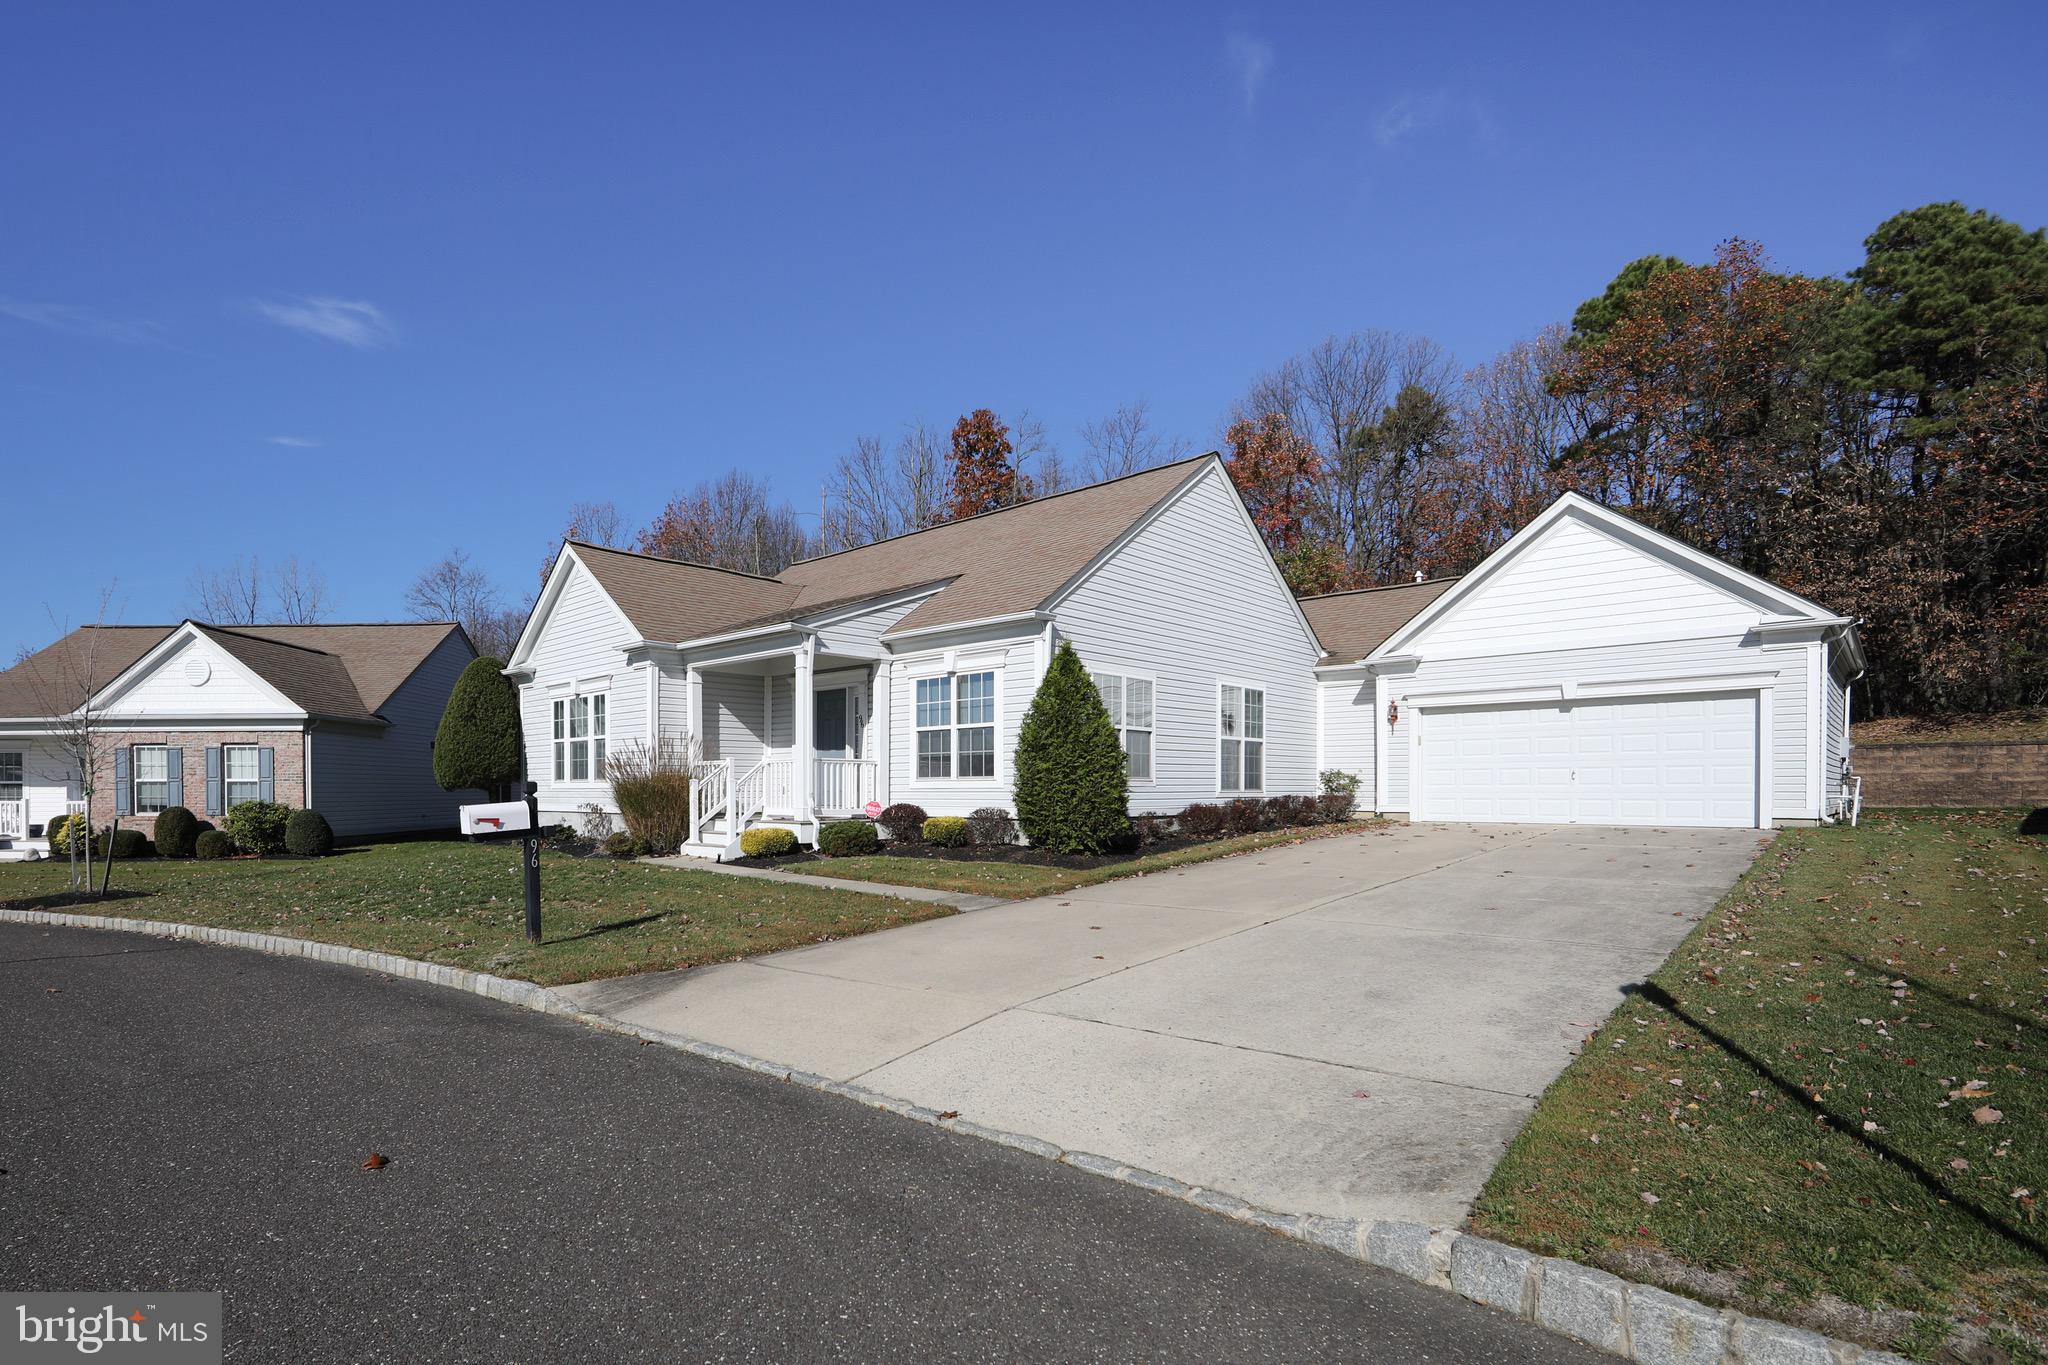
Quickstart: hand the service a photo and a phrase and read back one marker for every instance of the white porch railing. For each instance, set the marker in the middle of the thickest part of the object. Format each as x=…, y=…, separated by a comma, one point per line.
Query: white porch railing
x=13, y=819
x=710, y=796
x=769, y=788
x=845, y=785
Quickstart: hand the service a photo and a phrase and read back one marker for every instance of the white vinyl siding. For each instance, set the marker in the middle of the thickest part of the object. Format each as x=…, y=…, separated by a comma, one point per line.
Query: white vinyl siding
x=229, y=690
x=1349, y=730
x=1190, y=600
x=1836, y=747
x=381, y=781
x=581, y=651
x=1012, y=663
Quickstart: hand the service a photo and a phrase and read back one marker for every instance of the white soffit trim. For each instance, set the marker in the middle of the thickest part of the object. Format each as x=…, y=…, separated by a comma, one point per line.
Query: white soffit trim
x=1724, y=576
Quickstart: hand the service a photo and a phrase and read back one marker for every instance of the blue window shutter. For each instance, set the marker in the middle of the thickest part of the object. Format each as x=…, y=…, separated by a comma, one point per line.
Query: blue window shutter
x=175, y=758
x=265, y=761
x=213, y=779
x=124, y=787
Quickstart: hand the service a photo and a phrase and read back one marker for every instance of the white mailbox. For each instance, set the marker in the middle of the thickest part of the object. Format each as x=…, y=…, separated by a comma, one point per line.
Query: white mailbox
x=497, y=819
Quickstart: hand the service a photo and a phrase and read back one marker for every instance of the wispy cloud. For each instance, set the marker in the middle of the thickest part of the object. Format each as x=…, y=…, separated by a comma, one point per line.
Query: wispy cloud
x=84, y=322
x=352, y=322
x=1251, y=61
x=294, y=442
x=1413, y=114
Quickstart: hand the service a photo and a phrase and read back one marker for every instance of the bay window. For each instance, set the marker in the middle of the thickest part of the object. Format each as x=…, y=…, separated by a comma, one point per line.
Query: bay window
x=1128, y=700
x=1241, y=731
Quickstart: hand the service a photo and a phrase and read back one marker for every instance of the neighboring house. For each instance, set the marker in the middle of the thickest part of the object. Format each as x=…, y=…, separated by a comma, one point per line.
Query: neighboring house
x=340, y=718
x=1589, y=670
x=900, y=671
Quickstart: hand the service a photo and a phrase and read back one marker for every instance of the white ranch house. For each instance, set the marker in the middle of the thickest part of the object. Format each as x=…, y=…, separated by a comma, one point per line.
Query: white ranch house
x=1588, y=671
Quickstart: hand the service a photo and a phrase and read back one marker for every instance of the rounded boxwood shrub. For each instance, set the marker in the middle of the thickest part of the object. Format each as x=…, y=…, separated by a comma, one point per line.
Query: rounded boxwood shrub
x=621, y=845
x=849, y=839
x=768, y=841
x=132, y=843
x=63, y=828
x=991, y=825
x=257, y=826
x=1202, y=820
x=213, y=844
x=947, y=831
x=1072, y=792
x=1333, y=808
x=903, y=822
x=177, y=830
x=308, y=834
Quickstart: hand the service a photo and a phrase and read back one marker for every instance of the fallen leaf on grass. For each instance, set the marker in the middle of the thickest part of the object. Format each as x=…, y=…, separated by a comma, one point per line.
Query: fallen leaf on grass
x=1987, y=1114
x=1649, y=1198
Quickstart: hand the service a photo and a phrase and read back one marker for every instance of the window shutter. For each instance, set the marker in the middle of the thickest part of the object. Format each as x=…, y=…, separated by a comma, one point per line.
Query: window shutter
x=213, y=779
x=174, y=760
x=124, y=786
x=265, y=787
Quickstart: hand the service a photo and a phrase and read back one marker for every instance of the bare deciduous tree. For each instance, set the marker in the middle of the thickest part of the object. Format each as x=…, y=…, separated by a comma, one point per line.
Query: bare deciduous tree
x=731, y=524
x=456, y=590
x=64, y=683
x=1125, y=443
x=875, y=493
x=241, y=594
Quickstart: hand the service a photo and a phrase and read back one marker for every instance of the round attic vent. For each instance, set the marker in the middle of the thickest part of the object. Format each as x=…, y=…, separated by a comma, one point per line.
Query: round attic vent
x=197, y=671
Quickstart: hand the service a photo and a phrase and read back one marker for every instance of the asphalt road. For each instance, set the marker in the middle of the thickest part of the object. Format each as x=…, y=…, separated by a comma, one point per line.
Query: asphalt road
x=185, y=1117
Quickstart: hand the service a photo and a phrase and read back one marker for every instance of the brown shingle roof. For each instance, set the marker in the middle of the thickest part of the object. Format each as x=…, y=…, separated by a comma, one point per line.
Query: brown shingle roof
x=1353, y=624
x=339, y=672
x=1001, y=563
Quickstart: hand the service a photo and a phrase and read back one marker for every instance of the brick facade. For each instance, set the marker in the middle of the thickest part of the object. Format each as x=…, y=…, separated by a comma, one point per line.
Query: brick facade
x=288, y=769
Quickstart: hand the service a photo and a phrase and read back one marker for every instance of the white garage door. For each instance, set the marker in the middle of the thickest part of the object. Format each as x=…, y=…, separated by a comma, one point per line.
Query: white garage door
x=1678, y=761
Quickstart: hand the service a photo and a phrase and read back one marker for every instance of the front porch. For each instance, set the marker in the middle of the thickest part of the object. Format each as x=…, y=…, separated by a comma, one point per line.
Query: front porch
x=787, y=738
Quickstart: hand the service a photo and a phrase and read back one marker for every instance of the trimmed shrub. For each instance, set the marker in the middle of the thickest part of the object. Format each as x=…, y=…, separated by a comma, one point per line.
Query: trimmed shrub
x=948, y=831
x=1293, y=812
x=848, y=839
x=132, y=843
x=213, y=844
x=1072, y=792
x=477, y=744
x=651, y=783
x=991, y=825
x=1334, y=807
x=1203, y=820
x=1245, y=815
x=1337, y=780
x=257, y=826
x=768, y=842
x=1147, y=828
x=177, y=830
x=903, y=822
x=66, y=830
x=308, y=834
x=620, y=844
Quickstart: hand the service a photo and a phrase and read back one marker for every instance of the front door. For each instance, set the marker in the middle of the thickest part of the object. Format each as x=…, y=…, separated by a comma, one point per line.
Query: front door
x=832, y=724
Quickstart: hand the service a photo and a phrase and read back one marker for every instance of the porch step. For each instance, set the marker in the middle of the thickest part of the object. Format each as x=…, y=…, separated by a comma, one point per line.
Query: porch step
x=717, y=852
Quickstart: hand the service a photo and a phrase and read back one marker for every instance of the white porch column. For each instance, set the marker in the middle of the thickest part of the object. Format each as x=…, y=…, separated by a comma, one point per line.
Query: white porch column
x=693, y=713
x=883, y=749
x=804, y=747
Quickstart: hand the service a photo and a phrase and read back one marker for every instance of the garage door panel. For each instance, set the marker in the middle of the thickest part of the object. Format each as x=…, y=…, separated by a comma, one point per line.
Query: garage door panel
x=1671, y=761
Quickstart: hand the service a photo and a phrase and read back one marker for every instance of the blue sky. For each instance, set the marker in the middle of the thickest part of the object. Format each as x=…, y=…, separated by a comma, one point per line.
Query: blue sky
x=366, y=283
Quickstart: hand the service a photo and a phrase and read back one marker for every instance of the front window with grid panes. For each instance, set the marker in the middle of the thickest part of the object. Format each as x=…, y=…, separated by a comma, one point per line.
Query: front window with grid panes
x=956, y=726
x=1241, y=724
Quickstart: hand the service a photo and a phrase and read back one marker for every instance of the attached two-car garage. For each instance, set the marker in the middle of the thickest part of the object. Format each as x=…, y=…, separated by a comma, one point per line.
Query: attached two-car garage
x=1688, y=760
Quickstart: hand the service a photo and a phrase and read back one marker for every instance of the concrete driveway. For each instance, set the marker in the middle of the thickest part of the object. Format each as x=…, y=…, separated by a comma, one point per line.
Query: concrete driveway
x=1352, y=1026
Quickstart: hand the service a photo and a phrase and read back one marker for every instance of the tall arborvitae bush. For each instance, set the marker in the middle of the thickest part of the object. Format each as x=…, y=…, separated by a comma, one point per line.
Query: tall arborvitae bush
x=1072, y=793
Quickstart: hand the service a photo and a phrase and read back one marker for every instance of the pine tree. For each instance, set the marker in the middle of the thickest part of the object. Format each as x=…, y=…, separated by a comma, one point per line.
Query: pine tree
x=478, y=742
x=1072, y=792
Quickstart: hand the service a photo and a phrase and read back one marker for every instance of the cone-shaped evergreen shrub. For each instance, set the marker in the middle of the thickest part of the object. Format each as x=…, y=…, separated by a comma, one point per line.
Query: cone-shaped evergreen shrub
x=478, y=742
x=1072, y=795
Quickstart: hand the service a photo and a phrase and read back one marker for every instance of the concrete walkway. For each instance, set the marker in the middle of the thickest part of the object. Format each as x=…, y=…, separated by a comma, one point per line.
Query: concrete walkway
x=959, y=900
x=1352, y=1026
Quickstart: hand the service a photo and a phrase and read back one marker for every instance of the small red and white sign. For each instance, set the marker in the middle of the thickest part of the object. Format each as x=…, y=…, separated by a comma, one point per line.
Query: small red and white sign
x=873, y=810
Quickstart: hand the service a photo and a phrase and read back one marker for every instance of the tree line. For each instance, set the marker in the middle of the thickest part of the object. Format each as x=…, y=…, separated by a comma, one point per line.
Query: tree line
x=1876, y=441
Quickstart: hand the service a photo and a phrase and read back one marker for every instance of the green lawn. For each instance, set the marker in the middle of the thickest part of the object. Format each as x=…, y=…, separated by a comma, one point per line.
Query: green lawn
x=1020, y=880
x=460, y=903
x=1831, y=1104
